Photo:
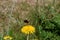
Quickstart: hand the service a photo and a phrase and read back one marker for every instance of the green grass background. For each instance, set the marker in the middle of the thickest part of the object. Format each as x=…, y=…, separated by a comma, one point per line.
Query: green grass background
x=45, y=18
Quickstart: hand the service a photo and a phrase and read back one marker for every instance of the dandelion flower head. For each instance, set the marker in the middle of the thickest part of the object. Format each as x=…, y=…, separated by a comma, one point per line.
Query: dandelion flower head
x=7, y=38
x=28, y=29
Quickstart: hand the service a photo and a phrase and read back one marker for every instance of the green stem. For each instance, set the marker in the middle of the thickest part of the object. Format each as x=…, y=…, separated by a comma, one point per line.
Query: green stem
x=28, y=37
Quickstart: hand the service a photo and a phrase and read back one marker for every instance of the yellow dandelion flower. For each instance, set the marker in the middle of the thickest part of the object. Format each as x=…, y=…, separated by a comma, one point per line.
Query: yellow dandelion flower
x=28, y=29
x=7, y=37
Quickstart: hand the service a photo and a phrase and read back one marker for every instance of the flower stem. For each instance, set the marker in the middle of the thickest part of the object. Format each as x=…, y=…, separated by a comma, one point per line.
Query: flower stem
x=28, y=37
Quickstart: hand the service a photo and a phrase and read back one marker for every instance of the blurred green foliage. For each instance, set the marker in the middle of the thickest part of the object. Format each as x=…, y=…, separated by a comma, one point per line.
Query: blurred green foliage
x=46, y=20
